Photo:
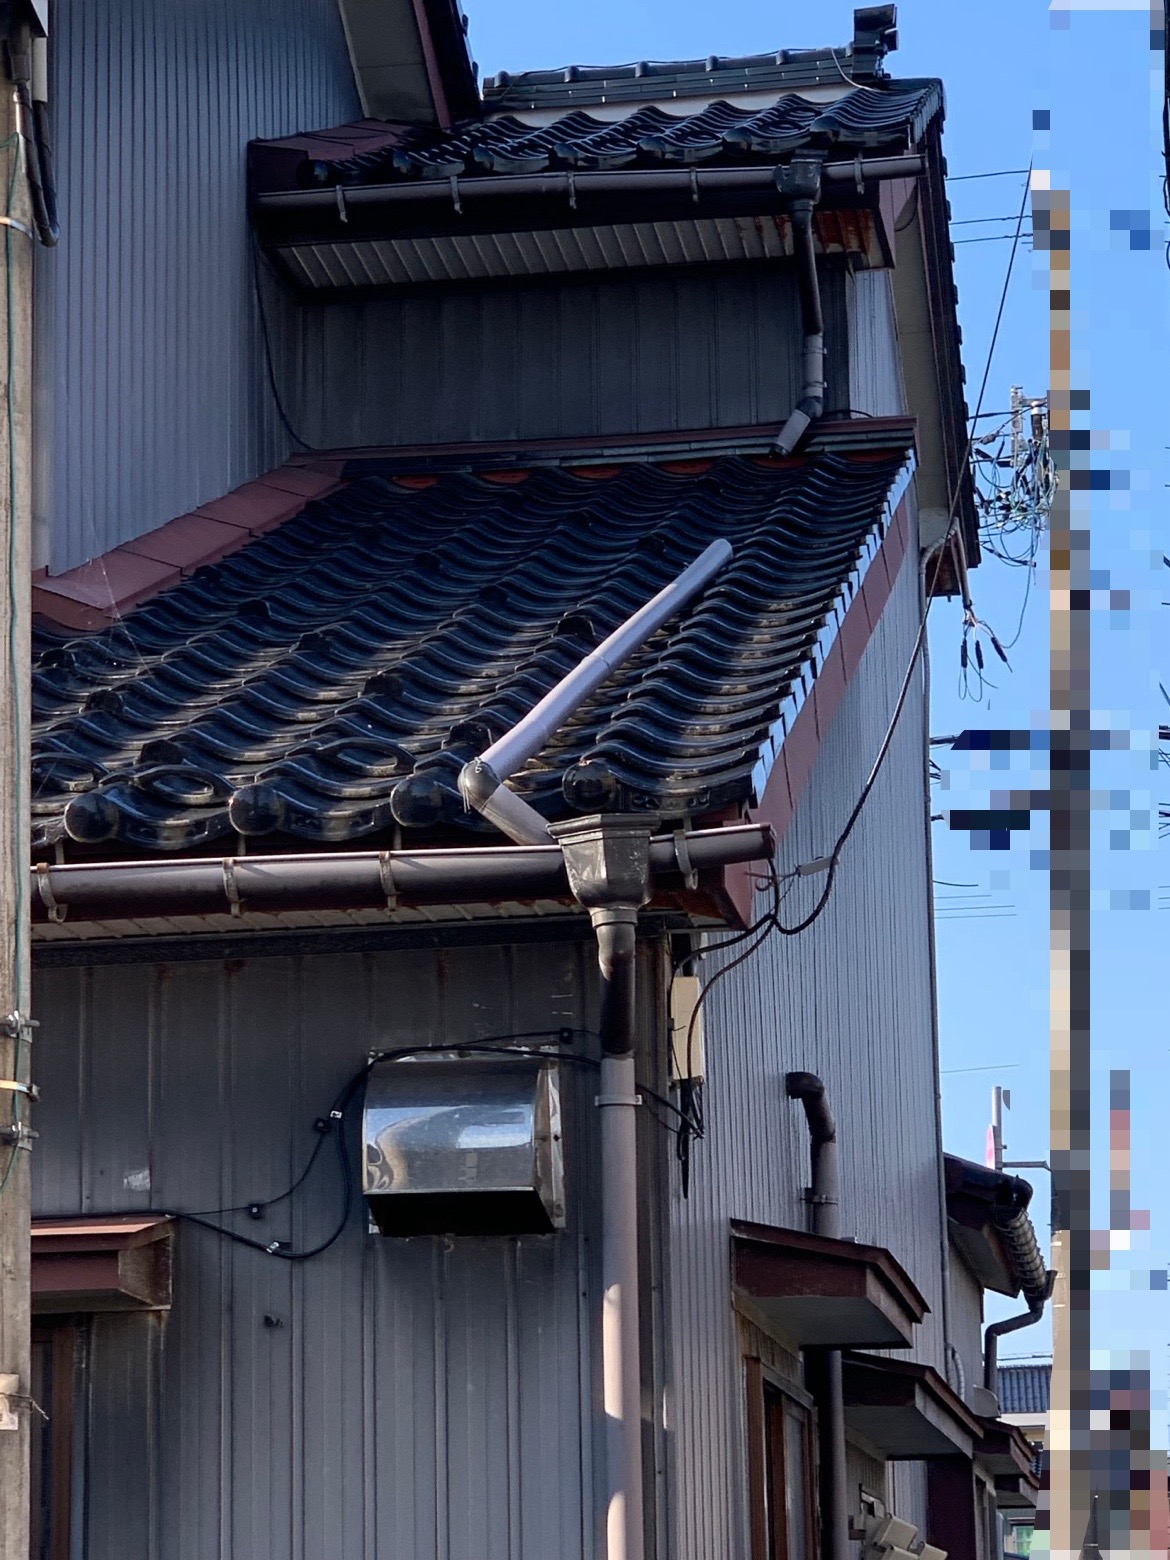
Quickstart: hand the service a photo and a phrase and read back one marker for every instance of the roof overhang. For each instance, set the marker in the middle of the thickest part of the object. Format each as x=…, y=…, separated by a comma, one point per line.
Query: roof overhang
x=410, y=59
x=1007, y=1457
x=111, y=1264
x=331, y=242
x=822, y=1293
x=907, y=1410
x=975, y=1194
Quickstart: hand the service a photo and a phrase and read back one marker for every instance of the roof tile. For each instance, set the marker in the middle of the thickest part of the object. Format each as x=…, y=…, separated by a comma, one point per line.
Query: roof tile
x=328, y=680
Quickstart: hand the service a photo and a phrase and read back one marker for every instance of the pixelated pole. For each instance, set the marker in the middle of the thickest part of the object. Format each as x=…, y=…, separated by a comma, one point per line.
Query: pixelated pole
x=1069, y=1495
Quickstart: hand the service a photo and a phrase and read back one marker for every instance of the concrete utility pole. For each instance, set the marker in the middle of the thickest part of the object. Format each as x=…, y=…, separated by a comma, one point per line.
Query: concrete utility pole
x=16, y=254
x=1070, y=818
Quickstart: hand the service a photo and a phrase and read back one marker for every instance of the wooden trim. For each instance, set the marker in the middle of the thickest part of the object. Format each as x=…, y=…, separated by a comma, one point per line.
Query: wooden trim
x=757, y=1474
x=56, y=1438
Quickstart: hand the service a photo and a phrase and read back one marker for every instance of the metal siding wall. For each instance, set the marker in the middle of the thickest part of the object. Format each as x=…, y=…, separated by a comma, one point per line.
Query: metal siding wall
x=850, y=1000
x=618, y=355
x=151, y=385
x=418, y=1399
x=875, y=363
x=966, y=1319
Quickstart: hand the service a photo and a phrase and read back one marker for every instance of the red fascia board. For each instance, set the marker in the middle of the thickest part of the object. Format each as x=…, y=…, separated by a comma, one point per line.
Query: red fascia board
x=98, y=593
x=799, y=751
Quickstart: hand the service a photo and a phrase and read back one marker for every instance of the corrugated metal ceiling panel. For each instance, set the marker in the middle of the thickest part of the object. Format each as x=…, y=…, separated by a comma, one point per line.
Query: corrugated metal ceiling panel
x=402, y=262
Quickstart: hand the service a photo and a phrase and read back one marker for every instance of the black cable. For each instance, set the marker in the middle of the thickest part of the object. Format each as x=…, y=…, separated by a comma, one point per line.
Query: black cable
x=268, y=361
x=333, y=1124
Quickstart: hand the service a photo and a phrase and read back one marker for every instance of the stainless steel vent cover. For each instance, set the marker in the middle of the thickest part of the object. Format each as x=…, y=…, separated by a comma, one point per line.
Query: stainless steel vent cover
x=464, y=1145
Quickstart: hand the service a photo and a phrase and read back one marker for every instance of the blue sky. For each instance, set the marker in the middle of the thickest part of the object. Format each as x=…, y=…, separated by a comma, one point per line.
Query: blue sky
x=1001, y=63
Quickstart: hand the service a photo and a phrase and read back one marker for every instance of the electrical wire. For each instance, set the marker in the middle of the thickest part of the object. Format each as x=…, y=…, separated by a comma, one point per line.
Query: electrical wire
x=333, y=1125
x=770, y=922
x=269, y=363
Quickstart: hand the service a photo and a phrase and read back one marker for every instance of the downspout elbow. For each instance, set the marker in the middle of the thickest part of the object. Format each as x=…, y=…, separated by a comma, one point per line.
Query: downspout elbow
x=825, y=1191
x=997, y=1330
x=811, y=403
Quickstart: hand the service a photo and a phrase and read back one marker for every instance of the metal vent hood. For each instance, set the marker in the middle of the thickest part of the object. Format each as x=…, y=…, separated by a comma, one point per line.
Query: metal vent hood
x=464, y=1145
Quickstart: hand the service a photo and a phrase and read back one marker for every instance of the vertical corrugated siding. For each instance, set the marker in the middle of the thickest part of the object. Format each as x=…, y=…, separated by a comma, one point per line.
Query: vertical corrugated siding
x=151, y=382
x=966, y=1319
x=417, y=1399
x=875, y=364
x=615, y=355
x=851, y=1000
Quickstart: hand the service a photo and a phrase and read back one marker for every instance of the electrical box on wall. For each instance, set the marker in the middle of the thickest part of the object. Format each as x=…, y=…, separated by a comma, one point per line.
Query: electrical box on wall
x=464, y=1145
x=686, y=1030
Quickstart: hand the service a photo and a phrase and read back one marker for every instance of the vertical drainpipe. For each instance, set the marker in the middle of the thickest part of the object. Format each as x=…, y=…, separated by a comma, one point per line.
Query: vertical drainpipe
x=825, y=1200
x=608, y=861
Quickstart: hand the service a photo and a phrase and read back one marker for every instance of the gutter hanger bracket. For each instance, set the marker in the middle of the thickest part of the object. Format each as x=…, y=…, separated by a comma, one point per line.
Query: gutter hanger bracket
x=683, y=856
x=230, y=887
x=386, y=873
x=342, y=212
x=56, y=911
x=571, y=180
x=455, y=201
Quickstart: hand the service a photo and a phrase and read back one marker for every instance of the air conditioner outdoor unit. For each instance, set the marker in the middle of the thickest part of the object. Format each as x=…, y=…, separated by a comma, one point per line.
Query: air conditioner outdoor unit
x=464, y=1145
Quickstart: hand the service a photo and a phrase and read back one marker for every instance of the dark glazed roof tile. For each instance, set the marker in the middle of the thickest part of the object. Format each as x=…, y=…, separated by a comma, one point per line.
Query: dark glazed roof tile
x=864, y=119
x=390, y=630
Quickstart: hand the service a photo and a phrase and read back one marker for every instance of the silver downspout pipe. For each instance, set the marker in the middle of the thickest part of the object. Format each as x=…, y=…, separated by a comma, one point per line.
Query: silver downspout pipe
x=608, y=861
x=825, y=1202
x=481, y=780
x=804, y=177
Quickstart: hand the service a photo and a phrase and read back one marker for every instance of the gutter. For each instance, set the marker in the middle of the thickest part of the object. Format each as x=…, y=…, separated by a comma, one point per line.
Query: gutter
x=455, y=195
x=1007, y=1198
x=369, y=880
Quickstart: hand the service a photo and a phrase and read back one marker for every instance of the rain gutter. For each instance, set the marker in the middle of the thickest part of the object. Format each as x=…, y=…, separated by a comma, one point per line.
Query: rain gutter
x=459, y=194
x=369, y=880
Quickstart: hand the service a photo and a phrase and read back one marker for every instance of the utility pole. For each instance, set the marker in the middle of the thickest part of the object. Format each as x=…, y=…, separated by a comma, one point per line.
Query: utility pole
x=18, y=237
x=1069, y=1496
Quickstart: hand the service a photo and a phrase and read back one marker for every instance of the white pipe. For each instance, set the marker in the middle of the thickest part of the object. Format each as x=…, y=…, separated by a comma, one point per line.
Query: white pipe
x=481, y=780
x=620, y=1344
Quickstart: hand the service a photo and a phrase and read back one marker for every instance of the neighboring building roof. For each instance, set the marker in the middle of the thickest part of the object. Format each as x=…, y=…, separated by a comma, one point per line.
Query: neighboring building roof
x=391, y=629
x=988, y=1222
x=867, y=119
x=874, y=36
x=1024, y=1389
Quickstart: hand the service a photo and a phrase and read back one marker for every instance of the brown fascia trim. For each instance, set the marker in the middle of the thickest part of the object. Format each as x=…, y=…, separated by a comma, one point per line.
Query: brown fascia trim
x=944, y=305
x=798, y=753
x=800, y=1244
x=99, y=593
x=926, y=1377
x=450, y=68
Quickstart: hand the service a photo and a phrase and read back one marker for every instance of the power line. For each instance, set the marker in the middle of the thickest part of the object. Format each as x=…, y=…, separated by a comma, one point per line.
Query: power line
x=998, y=173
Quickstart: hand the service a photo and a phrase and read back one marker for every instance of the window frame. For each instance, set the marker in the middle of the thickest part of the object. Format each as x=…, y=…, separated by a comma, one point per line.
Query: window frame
x=51, y=1450
x=770, y=1402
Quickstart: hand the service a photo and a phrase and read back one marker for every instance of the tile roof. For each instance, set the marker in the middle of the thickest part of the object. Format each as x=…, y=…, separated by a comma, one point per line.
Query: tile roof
x=865, y=119
x=1024, y=1389
x=390, y=629
x=874, y=36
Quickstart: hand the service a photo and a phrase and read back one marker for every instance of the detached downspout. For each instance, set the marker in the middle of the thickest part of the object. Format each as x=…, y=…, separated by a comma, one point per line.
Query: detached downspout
x=801, y=181
x=481, y=781
x=825, y=1201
